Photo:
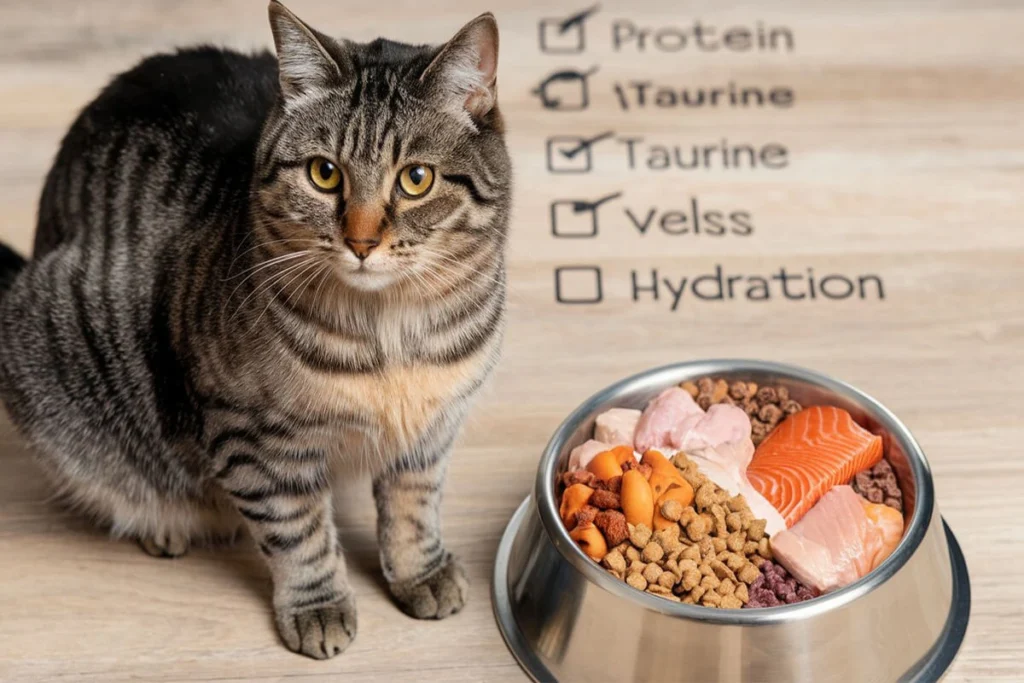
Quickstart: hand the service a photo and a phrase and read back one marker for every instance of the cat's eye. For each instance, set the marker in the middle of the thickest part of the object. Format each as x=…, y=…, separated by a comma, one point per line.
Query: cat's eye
x=416, y=180
x=324, y=174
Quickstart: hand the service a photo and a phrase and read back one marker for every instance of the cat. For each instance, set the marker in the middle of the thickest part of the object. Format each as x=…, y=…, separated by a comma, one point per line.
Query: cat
x=252, y=276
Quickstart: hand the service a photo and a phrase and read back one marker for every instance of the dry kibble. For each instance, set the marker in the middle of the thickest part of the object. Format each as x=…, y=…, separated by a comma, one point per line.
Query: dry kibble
x=688, y=600
x=705, y=496
x=692, y=554
x=632, y=554
x=672, y=510
x=791, y=408
x=667, y=580
x=622, y=547
x=690, y=388
x=782, y=393
x=652, y=552
x=697, y=593
x=720, y=391
x=673, y=555
x=615, y=561
x=637, y=581
x=687, y=564
x=658, y=590
x=727, y=587
x=767, y=395
x=755, y=532
x=742, y=593
x=737, y=503
x=763, y=549
x=719, y=544
x=667, y=537
x=734, y=521
x=687, y=515
x=748, y=574
x=691, y=578
x=637, y=567
x=731, y=602
x=711, y=582
x=711, y=599
x=738, y=390
x=770, y=414
x=673, y=566
x=639, y=535
x=652, y=572
x=696, y=530
x=736, y=541
x=704, y=401
x=735, y=561
x=721, y=570
x=707, y=548
x=757, y=561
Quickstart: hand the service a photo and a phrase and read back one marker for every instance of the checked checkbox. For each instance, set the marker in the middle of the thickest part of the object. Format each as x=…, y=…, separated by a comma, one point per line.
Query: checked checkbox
x=571, y=153
x=575, y=218
x=565, y=90
x=565, y=35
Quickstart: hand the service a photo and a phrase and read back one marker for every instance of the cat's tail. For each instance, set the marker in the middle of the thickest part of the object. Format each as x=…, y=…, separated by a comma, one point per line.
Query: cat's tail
x=11, y=263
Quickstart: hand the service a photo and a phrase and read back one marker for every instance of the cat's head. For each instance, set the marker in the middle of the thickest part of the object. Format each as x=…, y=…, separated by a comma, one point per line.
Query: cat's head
x=386, y=160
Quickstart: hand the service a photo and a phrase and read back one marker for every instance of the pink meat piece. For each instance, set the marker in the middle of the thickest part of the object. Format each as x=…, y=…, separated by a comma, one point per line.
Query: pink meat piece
x=661, y=417
x=721, y=424
x=617, y=426
x=833, y=545
x=581, y=456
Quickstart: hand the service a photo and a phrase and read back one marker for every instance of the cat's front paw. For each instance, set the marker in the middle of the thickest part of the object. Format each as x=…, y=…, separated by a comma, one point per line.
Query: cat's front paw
x=319, y=632
x=437, y=596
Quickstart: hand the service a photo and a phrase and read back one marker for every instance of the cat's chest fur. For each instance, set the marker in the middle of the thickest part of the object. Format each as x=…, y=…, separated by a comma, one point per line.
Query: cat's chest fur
x=396, y=406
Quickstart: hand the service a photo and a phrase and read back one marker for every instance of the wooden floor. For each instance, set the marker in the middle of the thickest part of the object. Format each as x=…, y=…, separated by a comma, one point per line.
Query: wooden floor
x=904, y=151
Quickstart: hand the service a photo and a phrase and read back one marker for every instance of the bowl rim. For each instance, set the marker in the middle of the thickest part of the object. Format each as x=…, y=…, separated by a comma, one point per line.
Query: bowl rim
x=667, y=375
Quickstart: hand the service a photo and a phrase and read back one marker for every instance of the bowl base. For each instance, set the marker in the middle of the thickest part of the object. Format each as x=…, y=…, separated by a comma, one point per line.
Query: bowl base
x=931, y=667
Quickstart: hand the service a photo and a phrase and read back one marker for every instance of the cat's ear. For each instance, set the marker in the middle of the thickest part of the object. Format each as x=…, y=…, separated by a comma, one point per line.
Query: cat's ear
x=304, y=63
x=466, y=68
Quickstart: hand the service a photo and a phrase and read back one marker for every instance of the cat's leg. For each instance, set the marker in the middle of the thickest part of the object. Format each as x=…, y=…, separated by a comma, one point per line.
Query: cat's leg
x=426, y=580
x=291, y=519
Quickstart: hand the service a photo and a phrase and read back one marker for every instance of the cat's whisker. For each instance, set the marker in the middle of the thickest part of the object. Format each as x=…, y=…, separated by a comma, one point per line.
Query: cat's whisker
x=314, y=263
x=266, y=284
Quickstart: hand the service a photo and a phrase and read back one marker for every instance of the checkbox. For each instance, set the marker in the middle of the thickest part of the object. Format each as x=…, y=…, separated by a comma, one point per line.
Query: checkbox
x=568, y=220
x=556, y=40
x=569, y=154
x=565, y=35
x=578, y=285
x=576, y=218
x=566, y=90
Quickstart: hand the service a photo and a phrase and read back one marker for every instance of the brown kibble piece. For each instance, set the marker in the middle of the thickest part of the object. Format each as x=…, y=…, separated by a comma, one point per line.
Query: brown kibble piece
x=637, y=567
x=606, y=500
x=735, y=561
x=704, y=497
x=720, y=391
x=691, y=578
x=671, y=510
x=668, y=580
x=767, y=395
x=704, y=401
x=705, y=385
x=731, y=602
x=763, y=549
x=727, y=587
x=718, y=544
x=721, y=570
x=657, y=589
x=692, y=554
x=587, y=515
x=640, y=535
x=755, y=532
x=742, y=594
x=734, y=521
x=652, y=552
x=614, y=484
x=711, y=599
x=791, y=408
x=578, y=477
x=652, y=572
x=690, y=388
x=770, y=414
x=757, y=561
x=615, y=561
x=696, y=529
x=748, y=574
x=612, y=524
x=632, y=554
x=637, y=581
x=707, y=548
x=735, y=541
x=738, y=390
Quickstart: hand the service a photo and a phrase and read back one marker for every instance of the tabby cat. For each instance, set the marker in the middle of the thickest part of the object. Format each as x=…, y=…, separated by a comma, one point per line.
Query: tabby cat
x=252, y=276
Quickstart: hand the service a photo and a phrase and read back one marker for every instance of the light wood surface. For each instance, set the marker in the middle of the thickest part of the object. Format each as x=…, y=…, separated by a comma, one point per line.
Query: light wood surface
x=906, y=160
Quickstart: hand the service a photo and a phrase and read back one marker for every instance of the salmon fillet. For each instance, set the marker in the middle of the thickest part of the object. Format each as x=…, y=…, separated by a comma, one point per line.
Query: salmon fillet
x=809, y=453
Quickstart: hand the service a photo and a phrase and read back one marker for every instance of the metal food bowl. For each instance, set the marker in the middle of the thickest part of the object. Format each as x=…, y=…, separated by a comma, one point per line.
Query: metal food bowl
x=566, y=619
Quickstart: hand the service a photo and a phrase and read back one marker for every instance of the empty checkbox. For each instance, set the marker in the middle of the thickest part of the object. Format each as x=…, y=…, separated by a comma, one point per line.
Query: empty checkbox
x=578, y=285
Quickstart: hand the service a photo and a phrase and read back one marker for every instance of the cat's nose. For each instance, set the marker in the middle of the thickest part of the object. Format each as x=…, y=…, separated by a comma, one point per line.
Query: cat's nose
x=362, y=247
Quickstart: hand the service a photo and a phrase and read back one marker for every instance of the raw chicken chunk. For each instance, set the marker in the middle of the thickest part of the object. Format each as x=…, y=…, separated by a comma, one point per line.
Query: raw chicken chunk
x=661, y=417
x=617, y=426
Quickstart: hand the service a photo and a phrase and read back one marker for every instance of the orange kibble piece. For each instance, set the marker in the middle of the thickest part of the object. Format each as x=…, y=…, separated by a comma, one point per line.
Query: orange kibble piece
x=637, y=499
x=573, y=500
x=623, y=455
x=605, y=466
x=588, y=537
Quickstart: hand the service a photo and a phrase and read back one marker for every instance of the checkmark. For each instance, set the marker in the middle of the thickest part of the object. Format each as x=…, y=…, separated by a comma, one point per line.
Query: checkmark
x=577, y=218
x=565, y=35
x=577, y=19
x=585, y=144
x=565, y=90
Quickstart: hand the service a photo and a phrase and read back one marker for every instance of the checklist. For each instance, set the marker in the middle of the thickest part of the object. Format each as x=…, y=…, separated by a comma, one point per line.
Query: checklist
x=577, y=218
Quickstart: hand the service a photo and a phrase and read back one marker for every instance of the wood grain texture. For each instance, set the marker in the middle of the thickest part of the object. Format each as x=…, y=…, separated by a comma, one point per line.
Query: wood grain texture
x=906, y=150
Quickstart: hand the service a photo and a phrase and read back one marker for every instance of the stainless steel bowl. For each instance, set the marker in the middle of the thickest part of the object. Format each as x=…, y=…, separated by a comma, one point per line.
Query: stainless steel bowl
x=565, y=619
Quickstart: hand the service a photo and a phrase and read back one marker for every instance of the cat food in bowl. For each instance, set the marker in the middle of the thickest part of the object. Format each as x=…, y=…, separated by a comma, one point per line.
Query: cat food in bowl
x=731, y=520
